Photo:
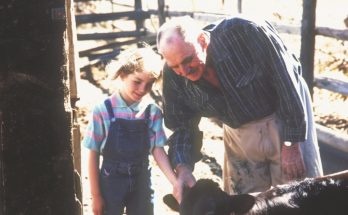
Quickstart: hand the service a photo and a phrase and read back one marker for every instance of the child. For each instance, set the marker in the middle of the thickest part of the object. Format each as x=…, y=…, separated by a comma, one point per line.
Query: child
x=124, y=129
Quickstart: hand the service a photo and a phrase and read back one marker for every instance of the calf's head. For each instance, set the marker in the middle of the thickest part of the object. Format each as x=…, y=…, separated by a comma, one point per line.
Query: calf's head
x=206, y=198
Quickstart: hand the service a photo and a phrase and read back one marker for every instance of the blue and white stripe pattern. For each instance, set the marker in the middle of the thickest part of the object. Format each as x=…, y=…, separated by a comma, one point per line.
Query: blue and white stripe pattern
x=258, y=76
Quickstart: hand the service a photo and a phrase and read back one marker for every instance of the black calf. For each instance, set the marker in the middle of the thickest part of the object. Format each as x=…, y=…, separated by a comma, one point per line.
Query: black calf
x=205, y=197
x=321, y=196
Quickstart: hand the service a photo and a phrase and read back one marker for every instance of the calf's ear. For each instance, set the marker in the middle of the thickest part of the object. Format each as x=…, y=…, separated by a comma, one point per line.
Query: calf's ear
x=171, y=202
x=242, y=203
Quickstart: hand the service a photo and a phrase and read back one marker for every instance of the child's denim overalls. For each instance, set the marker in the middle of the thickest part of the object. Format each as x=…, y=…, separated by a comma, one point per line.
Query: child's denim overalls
x=125, y=174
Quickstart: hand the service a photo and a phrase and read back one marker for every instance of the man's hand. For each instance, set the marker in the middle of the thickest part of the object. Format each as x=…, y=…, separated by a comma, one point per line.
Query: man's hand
x=292, y=162
x=184, y=178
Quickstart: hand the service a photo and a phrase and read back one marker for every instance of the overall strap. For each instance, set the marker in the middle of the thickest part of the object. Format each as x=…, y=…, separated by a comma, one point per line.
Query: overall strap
x=147, y=112
x=108, y=105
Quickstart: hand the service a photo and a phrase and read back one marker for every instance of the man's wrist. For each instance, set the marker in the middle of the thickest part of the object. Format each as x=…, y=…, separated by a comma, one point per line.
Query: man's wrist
x=289, y=144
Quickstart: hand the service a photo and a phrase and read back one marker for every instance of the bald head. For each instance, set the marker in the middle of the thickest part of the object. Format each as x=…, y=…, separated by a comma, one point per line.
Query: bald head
x=183, y=29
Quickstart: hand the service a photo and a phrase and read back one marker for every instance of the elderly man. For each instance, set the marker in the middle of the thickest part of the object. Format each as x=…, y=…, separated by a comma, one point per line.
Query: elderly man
x=239, y=71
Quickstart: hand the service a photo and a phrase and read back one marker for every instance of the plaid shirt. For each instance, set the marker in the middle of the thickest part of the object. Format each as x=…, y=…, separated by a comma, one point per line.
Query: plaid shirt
x=258, y=77
x=99, y=122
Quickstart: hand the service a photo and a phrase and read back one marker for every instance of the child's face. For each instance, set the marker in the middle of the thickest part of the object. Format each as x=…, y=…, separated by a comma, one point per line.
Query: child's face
x=136, y=86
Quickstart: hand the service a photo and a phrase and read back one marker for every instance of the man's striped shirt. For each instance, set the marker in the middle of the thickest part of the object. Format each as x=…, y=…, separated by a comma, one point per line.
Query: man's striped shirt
x=258, y=76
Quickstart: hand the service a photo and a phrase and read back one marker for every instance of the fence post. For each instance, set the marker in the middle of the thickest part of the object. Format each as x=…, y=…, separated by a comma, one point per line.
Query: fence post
x=161, y=15
x=308, y=41
x=239, y=6
x=139, y=22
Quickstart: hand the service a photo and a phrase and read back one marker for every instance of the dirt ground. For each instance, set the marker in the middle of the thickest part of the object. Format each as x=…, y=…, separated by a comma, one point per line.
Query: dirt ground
x=330, y=109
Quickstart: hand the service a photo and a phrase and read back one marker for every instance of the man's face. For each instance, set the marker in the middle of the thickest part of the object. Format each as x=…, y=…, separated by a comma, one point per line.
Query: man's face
x=186, y=59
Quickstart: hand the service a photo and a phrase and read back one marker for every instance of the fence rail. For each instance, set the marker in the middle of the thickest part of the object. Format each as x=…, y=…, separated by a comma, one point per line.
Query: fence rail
x=129, y=15
x=331, y=84
x=334, y=33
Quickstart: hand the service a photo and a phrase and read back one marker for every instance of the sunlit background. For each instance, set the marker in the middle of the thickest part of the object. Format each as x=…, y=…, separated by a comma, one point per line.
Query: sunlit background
x=328, y=14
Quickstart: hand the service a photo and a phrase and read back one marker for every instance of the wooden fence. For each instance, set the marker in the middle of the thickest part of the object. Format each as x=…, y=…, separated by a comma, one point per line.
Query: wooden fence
x=308, y=32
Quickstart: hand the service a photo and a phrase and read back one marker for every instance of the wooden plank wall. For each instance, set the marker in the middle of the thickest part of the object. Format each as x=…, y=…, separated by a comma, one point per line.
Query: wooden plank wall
x=37, y=172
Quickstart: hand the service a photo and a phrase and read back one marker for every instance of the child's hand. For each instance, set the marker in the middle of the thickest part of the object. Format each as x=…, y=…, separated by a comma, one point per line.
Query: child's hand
x=97, y=205
x=184, y=179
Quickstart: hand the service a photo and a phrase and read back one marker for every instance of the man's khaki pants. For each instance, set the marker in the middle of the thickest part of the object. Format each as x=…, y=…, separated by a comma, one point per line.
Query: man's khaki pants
x=252, y=160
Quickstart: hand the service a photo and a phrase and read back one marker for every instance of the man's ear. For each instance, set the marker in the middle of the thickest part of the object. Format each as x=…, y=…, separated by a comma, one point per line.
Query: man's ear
x=203, y=40
x=171, y=202
x=241, y=204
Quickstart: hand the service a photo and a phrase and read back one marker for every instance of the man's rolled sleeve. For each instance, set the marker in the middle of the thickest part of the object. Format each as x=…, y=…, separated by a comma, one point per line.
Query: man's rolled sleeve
x=185, y=146
x=180, y=149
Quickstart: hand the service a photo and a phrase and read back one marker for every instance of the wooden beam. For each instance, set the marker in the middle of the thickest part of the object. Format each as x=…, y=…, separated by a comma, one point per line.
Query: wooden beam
x=36, y=141
x=172, y=13
x=108, y=36
x=104, y=56
x=74, y=76
x=308, y=41
x=149, y=38
x=72, y=57
x=331, y=84
x=239, y=5
x=112, y=45
x=139, y=23
x=335, y=33
x=208, y=17
x=332, y=138
x=129, y=15
x=289, y=29
x=161, y=15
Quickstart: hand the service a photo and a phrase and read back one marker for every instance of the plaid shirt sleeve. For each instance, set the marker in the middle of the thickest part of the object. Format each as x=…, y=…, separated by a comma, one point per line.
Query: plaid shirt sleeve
x=186, y=141
x=157, y=135
x=96, y=133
